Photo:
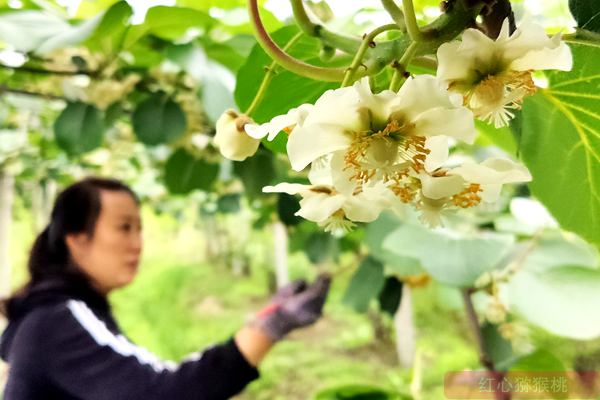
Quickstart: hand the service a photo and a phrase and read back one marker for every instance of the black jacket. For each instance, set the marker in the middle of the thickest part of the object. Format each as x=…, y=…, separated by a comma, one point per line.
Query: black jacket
x=62, y=342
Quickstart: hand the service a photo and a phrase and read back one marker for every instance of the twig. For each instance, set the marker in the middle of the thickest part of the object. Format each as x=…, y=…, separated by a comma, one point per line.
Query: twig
x=47, y=96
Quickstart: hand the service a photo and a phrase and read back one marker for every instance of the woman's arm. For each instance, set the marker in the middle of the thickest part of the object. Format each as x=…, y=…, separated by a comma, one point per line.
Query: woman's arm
x=253, y=343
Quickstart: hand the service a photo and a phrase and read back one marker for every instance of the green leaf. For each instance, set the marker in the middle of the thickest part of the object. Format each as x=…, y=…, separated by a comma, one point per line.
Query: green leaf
x=169, y=23
x=560, y=144
x=500, y=137
x=390, y=295
x=586, y=13
x=184, y=173
x=375, y=234
x=26, y=30
x=287, y=206
x=69, y=37
x=450, y=258
x=555, y=249
x=498, y=348
x=79, y=128
x=227, y=53
x=557, y=288
x=229, y=203
x=89, y=8
x=158, y=120
x=358, y=392
x=286, y=90
x=540, y=360
x=255, y=172
x=320, y=247
x=365, y=285
x=217, y=81
x=110, y=33
x=206, y=5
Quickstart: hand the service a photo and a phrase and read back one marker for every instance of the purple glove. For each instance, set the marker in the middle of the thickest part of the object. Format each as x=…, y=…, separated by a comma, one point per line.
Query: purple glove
x=294, y=305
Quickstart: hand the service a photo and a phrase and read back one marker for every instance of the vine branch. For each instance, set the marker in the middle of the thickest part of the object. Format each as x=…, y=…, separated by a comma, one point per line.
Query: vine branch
x=484, y=356
x=401, y=66
x=410, y=19
x=345, y=43
x=47, y=96
x=364, y=46
x=42, y=71
x=284, y=59
x=395, y=12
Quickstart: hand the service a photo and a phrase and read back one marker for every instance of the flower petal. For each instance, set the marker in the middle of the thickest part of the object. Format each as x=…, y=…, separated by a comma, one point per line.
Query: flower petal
x=443, y=186
x=368, y=204
x=335, y=107
x=289, y=188
x=559, y=57
x=493, y=171
x=342, y=176
x=278, y=123
x=453, y=122
x=419, y=94
x=452, y=64
x=438, y=152
x=320, y=206
x=377, y=104
x=309, y=142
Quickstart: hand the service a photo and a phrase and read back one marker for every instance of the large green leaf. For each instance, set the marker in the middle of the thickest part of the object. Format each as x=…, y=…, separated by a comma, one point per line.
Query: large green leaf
x=320, y=247
x=158, y=120
x=184, y=172
x=89, y=8
x=450, y=258
x=497, y=347
x=560, y=143
x=365, y=285
x=539, y=360
x=169, y=23
x=26, y=30
x=375, y=234
x=256, y=172
x=286, y=90
x=110, y=33
x=79, y=128
x=489, y=135
x=557, y=288
x=70, y=37
x=586, y=13
x=217, y=81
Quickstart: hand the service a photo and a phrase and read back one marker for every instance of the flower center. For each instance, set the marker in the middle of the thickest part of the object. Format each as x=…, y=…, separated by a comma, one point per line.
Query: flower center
x=387, y=154
x=493, y=97
x=337, y=223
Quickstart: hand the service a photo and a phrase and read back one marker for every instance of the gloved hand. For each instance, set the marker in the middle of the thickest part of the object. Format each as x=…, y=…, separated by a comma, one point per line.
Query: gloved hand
x=295, y=305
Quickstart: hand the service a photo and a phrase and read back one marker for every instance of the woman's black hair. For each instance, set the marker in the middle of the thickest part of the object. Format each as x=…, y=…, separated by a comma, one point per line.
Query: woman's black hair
x=75, y=210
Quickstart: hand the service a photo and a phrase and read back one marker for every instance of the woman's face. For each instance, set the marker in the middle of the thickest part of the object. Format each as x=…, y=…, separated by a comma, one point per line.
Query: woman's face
x=111, y=256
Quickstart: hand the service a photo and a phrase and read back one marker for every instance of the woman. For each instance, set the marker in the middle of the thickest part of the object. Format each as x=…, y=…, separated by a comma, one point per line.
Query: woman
x=62, y=341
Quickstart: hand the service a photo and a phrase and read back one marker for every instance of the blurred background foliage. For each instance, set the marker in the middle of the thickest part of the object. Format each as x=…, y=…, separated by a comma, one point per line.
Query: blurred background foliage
x=132, y=90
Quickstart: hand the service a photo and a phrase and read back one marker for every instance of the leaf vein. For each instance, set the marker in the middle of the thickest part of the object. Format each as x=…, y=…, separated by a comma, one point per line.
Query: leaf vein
x=576, y=80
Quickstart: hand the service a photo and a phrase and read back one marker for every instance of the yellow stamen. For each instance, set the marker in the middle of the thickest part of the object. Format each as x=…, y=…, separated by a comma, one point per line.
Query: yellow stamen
x=493, y=97
x=468, y=197
x=389, y=153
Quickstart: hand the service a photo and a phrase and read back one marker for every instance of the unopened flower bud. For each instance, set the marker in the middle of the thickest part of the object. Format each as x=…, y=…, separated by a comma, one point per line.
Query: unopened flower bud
x=231, y=138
